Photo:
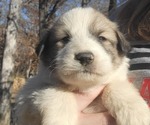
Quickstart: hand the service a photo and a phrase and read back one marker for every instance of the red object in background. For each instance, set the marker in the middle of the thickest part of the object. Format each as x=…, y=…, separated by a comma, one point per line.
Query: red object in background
x=145, y=90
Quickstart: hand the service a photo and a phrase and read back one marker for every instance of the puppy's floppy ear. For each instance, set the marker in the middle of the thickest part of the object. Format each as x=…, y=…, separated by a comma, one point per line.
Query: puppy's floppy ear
x=123, y=45
x=46, y=50
x=42, y=40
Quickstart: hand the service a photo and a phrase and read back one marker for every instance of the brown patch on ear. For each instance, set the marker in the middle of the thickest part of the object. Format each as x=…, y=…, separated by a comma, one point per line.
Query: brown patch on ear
x=123, y=45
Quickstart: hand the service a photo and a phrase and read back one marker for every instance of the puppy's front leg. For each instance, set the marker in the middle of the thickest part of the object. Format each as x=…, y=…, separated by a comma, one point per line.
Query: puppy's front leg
x=57, y=107
x=124, y=103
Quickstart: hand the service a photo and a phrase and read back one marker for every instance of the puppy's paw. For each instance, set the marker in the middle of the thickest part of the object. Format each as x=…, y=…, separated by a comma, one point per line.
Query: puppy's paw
x=137, y=115
x=126, y=105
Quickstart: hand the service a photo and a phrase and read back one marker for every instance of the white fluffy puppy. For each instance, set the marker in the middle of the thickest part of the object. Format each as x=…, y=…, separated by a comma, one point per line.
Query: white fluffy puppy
x=82, y=50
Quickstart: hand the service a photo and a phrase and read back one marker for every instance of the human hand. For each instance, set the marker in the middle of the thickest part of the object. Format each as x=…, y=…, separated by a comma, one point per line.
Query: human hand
x=83, y=100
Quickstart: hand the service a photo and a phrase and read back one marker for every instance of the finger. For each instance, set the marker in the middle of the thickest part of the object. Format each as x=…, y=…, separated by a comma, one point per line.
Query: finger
x=85, y=98
x=97, y=119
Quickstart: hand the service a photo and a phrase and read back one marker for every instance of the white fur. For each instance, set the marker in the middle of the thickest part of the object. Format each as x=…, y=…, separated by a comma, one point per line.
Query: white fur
x=47, y=99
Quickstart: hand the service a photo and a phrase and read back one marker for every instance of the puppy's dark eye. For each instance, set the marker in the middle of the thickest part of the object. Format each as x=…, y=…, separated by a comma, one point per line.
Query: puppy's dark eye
x=66, y=39
x=102, y=38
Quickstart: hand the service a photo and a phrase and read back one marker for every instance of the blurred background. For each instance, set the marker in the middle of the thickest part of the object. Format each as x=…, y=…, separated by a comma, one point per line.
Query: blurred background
x=21, y=23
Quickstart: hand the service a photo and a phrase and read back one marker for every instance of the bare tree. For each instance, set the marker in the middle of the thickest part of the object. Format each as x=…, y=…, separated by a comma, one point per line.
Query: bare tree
x=84, y=3
x=112, y=4
x=8, y=61
x=48, y=10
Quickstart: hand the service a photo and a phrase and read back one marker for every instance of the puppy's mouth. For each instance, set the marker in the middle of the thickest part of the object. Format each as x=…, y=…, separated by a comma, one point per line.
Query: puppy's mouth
x=90, y=72
x=81, y=78
x=84, y=72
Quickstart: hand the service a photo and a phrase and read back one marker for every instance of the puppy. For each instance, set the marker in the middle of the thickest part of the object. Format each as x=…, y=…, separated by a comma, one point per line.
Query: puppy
x=81, y=51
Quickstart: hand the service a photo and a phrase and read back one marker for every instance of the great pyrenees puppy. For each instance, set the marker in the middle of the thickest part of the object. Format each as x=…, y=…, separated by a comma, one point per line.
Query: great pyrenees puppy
x=81, y=51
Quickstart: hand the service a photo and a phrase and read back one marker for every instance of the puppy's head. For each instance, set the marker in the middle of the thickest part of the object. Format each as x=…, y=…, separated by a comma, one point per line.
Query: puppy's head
x=83, y=48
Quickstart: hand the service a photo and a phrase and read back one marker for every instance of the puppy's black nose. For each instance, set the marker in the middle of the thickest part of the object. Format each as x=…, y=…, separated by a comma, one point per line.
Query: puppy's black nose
x=85, y=58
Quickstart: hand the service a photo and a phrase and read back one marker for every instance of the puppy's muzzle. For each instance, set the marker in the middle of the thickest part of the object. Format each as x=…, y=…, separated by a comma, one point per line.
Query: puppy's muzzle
x=85, y=58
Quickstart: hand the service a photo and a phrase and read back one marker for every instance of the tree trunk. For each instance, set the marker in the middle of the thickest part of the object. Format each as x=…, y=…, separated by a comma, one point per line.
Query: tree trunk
x=112, y=4
x=46, y=16
x=8, y=62
x=84, y=3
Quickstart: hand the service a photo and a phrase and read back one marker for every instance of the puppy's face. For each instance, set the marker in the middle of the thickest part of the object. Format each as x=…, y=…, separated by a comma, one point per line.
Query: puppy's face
x=83, y=48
